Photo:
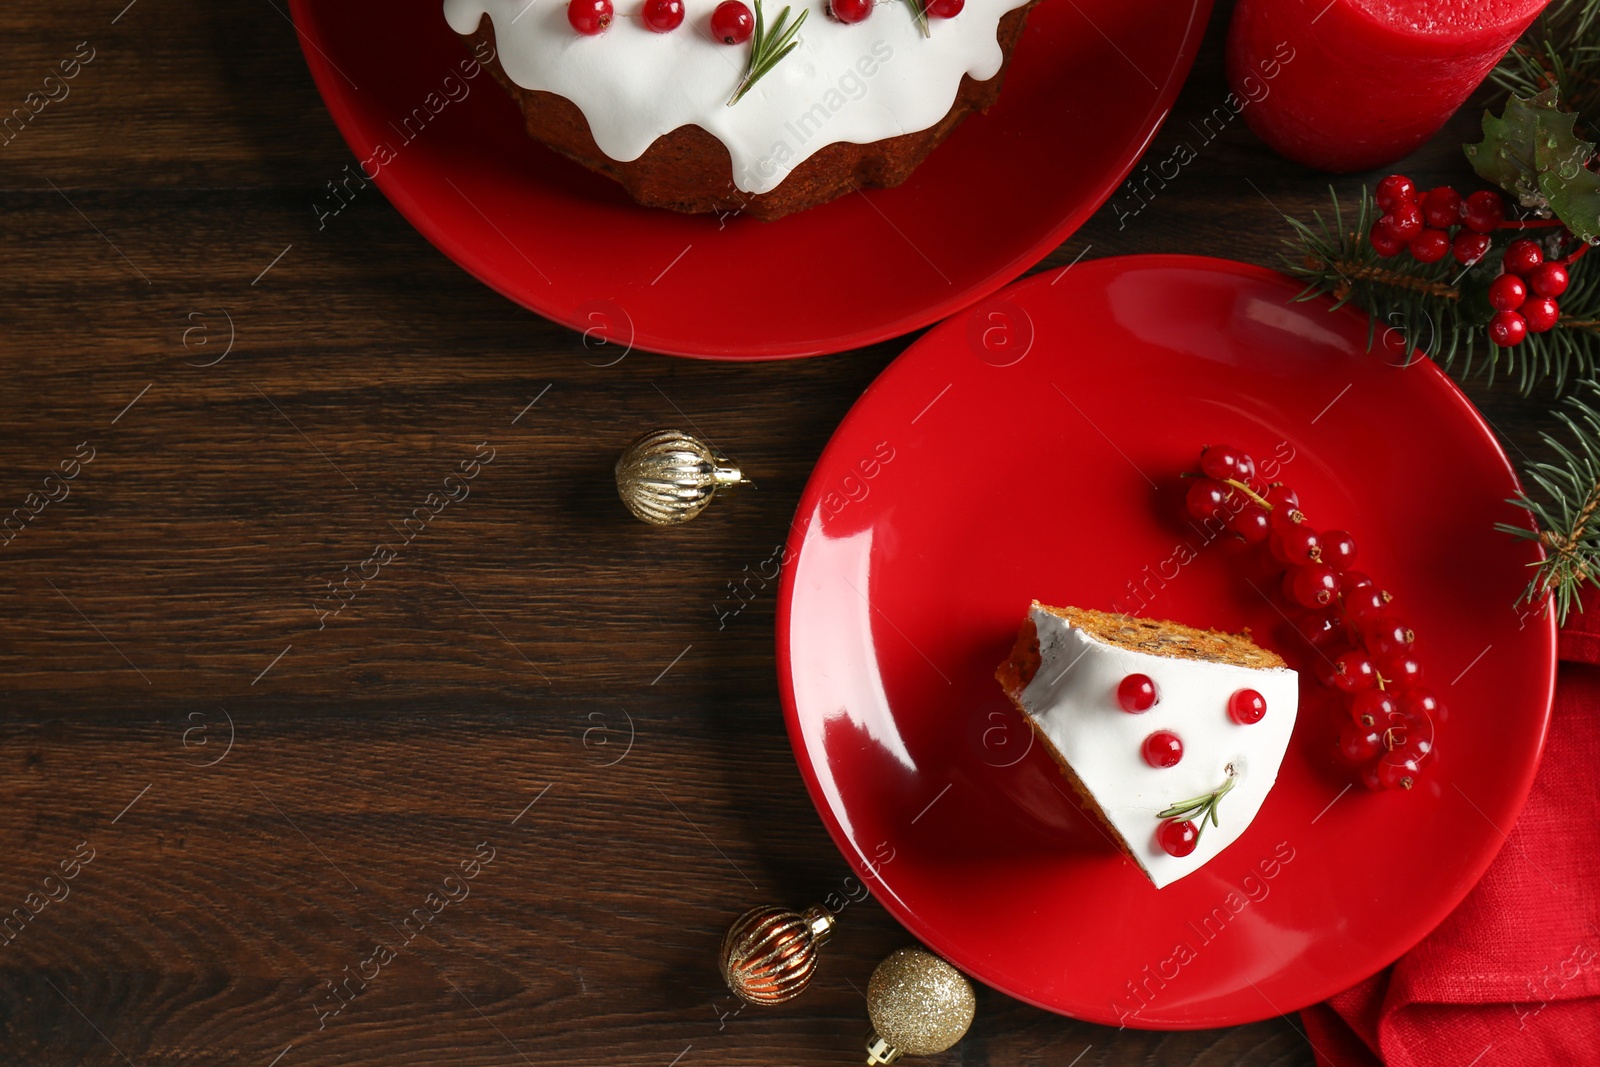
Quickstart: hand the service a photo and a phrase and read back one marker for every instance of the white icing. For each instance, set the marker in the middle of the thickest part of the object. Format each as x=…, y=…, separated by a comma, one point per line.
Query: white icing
x=1073, y=699
x=860, y=83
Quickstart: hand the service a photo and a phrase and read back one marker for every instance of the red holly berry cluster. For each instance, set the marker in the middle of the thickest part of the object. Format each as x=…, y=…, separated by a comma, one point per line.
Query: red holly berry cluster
x=1437, y=223
x=1524, y=297
x=1363, y=652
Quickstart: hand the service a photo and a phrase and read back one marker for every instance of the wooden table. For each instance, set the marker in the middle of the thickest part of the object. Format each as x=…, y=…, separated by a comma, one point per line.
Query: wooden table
x=267, y=791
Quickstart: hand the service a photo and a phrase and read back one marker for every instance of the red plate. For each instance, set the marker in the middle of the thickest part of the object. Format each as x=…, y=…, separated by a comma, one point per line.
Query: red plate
x=1091, y=81
x=1032, y=448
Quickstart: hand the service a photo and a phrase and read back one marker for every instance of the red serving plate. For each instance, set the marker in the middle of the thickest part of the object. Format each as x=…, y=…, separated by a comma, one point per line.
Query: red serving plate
x=1090, y=82
x=1032, y=447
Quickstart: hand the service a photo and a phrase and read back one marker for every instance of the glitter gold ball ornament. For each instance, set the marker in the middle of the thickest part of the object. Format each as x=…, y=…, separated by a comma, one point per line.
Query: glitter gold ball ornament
x=667, y=476
x=919, y=1005
x=769, y=954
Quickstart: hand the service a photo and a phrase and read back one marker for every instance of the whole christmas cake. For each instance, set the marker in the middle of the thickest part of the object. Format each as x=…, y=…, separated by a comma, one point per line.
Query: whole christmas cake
x=764, y=107
x=1171, y=735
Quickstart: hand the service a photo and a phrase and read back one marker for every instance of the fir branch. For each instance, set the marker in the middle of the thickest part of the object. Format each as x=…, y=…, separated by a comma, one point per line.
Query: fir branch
x=1560, y=49
x=767, y=50
x=1441, y=308
x=1564, y=510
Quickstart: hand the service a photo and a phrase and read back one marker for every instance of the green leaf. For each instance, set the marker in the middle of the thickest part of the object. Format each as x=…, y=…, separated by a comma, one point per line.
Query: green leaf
x=1561, y=158
x=1533, y=151
x=1505, y=155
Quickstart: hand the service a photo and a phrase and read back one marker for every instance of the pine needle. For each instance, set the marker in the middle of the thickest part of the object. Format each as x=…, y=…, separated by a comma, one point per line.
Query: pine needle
x=1563, y=505
x=1442, y=308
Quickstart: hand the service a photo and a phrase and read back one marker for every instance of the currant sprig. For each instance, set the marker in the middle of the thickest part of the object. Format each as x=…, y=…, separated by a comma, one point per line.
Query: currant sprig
x=1365, y=653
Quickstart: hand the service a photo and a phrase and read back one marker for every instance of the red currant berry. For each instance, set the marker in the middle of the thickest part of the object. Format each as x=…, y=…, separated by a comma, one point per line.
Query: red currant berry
x=1507, y=329
x=1224, y=461
x=1251, y=524
x=1441, y=206
x=1402, y=671
x=1484, y=211
x=1177, y=837
x=1280, y=496
x=1430, y=246
x=1137, y=693
x=1163, y=749
x=1368, y=603
x=1419, y=702
x=1326, y=665
x=1373, y=709
x=1408, y=737
x=1522, y=257
x=1393, y=191
x=849, y=11
x=663, y=16
x=1353, y=671
x=1321, y=627
x=1507, y=292
x=1313, y=586
x=1299, y=544
x=589, y=17
x=1357, y=744
x=1383, y=241
x=1405, y=221
x=1338, y=549
x=732, y=23
x=1398, y=774
x=1247, y=707
x=1386, y=637
x=1205, y=497
x=1549, y=279
x=1469, y=247
x=1540, y=313
x=1353, y=582
x=1286, y=518
x=946, y=9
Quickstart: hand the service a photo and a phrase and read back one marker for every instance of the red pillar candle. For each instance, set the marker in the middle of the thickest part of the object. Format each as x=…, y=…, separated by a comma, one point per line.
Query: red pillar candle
x=1360, y=83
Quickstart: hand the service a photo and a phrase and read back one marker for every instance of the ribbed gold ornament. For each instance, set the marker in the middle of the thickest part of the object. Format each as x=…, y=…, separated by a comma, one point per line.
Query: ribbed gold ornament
x=769, y=954
x=668, y=476
x=919, y=1006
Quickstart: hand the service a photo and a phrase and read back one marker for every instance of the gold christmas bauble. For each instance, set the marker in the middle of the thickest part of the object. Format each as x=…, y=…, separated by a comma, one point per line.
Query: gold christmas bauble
x=667, y=476
x=919, y=1005
x=769, y=954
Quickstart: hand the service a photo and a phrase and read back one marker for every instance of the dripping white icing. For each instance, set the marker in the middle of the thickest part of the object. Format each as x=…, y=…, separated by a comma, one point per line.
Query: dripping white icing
x=1072, y=698
x=860, y=83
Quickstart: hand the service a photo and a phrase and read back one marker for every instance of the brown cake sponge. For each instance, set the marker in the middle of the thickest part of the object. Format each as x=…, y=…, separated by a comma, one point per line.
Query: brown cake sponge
x=1157, y=636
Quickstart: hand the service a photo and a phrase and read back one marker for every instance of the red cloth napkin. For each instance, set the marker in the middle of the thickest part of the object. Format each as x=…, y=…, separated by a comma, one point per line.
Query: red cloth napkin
x=1512, y=976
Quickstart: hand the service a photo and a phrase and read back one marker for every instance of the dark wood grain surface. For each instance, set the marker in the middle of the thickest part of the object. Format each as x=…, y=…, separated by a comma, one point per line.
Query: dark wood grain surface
x=251, y=794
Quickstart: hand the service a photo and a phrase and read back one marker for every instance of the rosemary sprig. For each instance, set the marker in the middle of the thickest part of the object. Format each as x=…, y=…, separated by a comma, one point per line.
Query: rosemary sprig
x=767, y=50
x=1569, y=496
x=1205, y=806
x=919, y=11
